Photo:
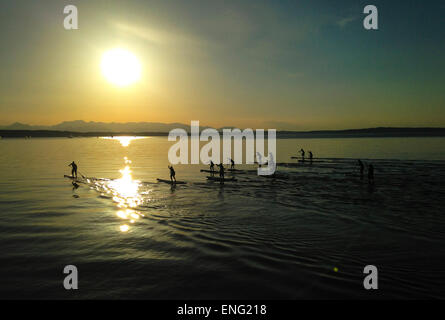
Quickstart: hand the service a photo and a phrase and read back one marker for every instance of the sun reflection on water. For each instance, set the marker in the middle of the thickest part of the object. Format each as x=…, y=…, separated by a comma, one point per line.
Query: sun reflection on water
x=124, y=140
x=125, y=192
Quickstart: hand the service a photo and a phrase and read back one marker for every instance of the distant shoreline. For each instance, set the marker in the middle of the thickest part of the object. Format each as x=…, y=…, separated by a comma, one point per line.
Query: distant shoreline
x=351, y=133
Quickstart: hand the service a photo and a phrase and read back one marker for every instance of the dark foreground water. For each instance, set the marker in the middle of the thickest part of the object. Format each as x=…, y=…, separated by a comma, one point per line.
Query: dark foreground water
x=308, y=233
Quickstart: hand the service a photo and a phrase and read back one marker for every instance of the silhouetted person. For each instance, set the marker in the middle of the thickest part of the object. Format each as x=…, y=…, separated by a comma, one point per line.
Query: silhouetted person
x=212, y=167
x=362, y=168
x=302, y=154
x=221, y=170
x=73, y=166
x=172, y=173
x=232, y=165
x=311, y=156
x=371, y=173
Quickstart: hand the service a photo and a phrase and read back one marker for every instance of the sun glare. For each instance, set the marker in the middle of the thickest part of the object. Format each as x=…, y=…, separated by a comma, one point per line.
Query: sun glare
x=120, y=67
x=124, y=140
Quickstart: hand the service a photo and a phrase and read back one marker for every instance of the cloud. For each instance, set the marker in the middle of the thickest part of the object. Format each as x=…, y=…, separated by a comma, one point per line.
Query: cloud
x=345, y=21
x=157, y=36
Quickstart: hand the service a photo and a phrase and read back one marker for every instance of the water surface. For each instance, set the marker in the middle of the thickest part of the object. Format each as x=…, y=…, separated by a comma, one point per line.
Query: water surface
x=280, y=238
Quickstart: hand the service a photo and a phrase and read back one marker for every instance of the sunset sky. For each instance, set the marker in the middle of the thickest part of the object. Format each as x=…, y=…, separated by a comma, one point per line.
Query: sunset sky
x=284, y=64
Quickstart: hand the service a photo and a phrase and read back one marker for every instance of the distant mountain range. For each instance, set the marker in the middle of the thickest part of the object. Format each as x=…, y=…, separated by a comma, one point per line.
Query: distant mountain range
x=85, y=129
x=83, y=126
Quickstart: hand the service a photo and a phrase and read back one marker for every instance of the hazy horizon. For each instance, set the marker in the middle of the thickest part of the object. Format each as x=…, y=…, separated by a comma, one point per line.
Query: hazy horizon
x=148, y=126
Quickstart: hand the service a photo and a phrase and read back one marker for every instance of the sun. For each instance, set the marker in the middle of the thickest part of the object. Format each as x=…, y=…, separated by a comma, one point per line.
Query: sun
x=120, y=67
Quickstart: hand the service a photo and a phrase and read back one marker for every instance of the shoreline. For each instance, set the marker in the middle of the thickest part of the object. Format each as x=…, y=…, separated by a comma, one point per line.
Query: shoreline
x=352, y=133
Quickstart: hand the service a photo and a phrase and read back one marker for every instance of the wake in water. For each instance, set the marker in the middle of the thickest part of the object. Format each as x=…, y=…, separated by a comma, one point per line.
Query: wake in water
x=295, y=227
x=300, y=184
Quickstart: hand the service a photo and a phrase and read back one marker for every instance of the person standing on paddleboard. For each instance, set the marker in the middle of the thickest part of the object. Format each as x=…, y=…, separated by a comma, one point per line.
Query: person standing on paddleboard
x=221, y=170
x=232, y=166
x=212, y=168
x=172, y=173
x=221, y=173
x=73, y=165
x=311, y=156
x=302, y=154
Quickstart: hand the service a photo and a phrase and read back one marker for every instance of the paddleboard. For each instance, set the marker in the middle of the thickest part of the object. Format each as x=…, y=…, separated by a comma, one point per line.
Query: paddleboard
x=237, y=171
x=69, y=177
x=171, y=182
x=306, y=159
x=220, y=179
x=209, y=171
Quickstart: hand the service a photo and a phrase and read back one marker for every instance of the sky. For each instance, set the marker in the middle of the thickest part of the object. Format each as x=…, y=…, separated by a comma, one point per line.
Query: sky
x=288, y=65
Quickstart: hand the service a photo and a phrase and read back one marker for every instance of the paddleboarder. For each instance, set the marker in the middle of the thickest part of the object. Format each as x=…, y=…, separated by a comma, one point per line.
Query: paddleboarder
x=212, y=167
x=221, y=173
x=221, y=170
x=172, y=173
x=73, y=166
x=302, y=154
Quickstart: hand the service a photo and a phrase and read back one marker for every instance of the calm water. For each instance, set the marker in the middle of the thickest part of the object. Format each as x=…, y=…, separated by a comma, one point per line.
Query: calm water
x=131, y=237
